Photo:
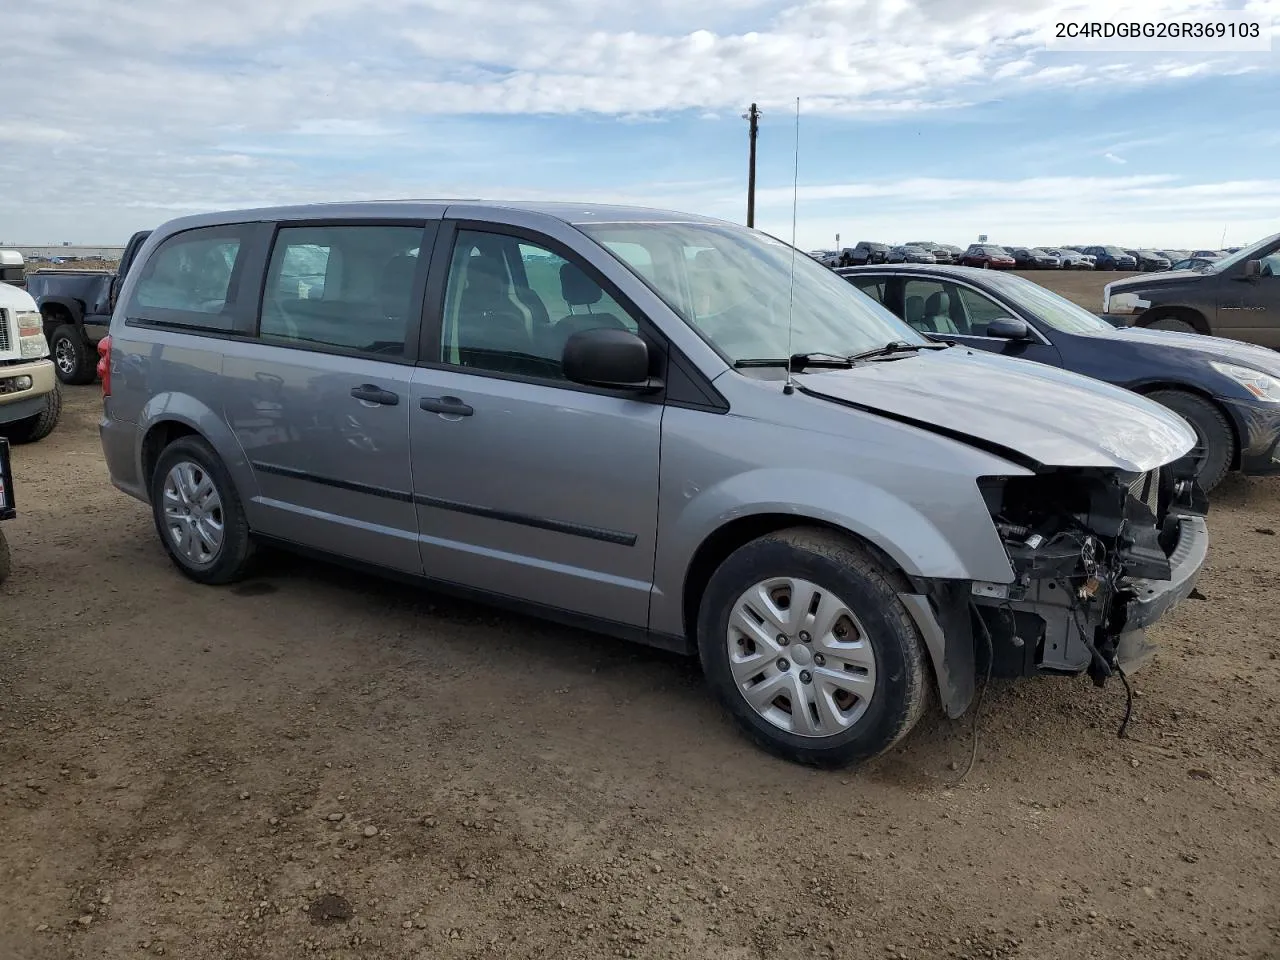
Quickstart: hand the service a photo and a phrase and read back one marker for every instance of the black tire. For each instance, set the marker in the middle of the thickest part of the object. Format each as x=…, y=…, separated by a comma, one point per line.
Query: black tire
x=1213, y=432
x=75, y=360
x=837, y=564
x=33, y=429
x=6, y=561
x=1172, y=323
x=233, y=558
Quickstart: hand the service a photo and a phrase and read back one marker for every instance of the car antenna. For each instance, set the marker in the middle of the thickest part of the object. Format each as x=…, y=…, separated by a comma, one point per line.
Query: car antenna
x=790, y=387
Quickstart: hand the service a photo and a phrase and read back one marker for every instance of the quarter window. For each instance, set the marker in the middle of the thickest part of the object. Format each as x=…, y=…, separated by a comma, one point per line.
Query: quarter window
x=510, y=306
x=348, y=287
x=191, y=280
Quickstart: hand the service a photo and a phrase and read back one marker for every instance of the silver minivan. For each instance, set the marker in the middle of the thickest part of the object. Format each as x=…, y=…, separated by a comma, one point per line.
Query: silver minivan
x=656, y=425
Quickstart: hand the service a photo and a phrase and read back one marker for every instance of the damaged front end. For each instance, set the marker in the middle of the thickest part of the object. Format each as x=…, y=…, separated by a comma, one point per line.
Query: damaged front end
x=1098, y=555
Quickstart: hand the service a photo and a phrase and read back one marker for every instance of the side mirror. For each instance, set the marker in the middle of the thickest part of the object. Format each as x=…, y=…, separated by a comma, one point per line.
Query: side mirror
x=1008, y=328
x=1252, y=269
x=609, y=357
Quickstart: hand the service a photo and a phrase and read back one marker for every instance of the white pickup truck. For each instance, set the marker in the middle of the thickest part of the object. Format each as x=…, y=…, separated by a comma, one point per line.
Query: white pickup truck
x=30, y=398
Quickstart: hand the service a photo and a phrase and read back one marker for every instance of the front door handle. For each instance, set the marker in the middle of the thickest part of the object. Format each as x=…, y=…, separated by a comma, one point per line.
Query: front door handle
x=371, y=393
x=447, y=406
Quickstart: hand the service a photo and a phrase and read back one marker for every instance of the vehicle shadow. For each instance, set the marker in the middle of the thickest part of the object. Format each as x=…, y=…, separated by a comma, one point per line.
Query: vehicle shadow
x=1041, y=714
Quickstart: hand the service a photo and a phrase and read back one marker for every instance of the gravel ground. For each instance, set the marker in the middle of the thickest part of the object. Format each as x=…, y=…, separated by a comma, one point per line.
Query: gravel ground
x=321, y=764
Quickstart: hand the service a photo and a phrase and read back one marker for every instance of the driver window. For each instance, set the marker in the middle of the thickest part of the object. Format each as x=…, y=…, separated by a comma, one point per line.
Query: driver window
x=510, y=306
x=1271, y=264
x=979, y=311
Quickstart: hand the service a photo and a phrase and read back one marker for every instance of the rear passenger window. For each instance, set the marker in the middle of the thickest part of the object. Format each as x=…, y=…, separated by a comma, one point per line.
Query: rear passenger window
x=348, y=287
x=191, y=280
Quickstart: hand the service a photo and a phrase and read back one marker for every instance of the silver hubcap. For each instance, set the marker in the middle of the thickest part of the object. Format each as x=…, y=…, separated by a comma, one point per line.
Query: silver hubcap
x=193, y=513
x=64, y=355
x=800, y=657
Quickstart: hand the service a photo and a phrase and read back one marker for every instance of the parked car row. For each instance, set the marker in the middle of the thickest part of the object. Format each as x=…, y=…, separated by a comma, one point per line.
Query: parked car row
x=1003, y=256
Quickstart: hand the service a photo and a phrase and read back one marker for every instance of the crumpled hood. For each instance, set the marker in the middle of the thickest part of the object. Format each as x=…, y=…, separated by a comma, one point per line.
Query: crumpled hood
x=15, y=298
x=1210, y=348
x=1037, y=412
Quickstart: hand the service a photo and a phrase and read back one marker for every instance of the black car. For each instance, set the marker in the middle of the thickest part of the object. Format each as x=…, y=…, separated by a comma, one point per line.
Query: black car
x=1112, y=258
x=1150, y=261
x=1228, y=391
x=1033, y=258
x=909, y=254
x=866, y=251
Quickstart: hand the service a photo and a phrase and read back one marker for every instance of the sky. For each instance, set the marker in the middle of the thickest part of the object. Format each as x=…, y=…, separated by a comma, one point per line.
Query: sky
x=919, y=119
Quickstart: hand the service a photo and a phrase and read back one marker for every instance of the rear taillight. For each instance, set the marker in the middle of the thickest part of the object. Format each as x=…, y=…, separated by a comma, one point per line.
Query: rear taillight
x=104, y=364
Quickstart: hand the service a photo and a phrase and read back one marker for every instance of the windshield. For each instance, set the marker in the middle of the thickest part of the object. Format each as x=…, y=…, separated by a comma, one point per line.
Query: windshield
x=1114, y=252
x=1240, y=256
x=733, y=286
x=1058, y=312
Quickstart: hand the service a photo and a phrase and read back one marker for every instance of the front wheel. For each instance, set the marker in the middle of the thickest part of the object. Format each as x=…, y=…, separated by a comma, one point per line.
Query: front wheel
x=198, y=513
x=802, y=636
x=1172, y=324
x=1215, y=441
x=37, y=427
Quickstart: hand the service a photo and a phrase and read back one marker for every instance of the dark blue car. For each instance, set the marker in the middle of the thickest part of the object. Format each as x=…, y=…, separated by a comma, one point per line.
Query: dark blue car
x=1227, y=390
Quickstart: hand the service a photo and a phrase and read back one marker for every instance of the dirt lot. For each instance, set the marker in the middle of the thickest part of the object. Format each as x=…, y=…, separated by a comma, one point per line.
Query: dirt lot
x=190, y=772
x=1081, y=286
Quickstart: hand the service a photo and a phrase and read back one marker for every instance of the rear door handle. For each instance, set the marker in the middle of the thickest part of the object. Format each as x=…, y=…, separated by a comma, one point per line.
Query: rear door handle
x=448, y=406
x=371, y=393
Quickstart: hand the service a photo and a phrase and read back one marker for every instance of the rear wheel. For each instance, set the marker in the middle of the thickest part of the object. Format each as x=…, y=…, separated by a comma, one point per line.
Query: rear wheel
x=1215, y=441
x=32, y=429
x=803, y=638
x=74, y=358
x=198, y=513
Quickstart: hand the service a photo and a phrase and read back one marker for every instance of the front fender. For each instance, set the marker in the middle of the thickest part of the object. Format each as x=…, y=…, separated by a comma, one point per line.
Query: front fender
x=182, y=408
x=957, y=542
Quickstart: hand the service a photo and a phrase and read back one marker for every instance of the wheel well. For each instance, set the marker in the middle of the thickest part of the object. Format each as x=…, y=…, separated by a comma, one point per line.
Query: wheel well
x=158, y=437
x=55, y=315
x=1193, y=317
x=1149, y=388
x=714, y=550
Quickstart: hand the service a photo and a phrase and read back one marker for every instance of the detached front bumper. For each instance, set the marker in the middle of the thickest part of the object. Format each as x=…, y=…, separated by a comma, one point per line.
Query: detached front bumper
x=1155, y=598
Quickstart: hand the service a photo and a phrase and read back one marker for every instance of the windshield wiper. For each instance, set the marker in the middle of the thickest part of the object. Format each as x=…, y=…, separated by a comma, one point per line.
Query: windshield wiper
x=798, y=361
x=897, y=346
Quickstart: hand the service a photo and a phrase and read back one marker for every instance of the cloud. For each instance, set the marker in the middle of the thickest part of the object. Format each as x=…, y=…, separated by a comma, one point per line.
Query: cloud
x=340, y=127
x=29, y=132
x=1113, y=158
x=281, y=100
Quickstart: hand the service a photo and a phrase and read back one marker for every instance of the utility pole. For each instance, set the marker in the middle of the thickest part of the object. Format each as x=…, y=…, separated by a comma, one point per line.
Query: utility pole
x=754, y=126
